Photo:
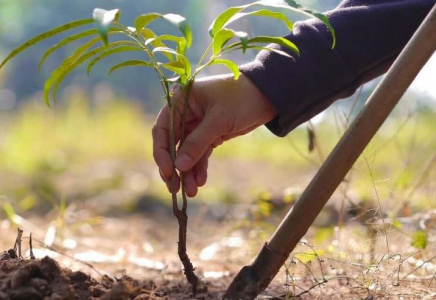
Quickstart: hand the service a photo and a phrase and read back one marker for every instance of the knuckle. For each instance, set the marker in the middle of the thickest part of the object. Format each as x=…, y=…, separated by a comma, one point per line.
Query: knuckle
x=193, y=147
x=154, y=130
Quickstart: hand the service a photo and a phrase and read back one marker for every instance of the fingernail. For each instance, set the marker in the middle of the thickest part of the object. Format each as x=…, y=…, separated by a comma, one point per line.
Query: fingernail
x=183, y=162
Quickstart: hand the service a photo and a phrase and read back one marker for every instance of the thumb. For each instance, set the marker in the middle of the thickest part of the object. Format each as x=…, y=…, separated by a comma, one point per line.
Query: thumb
x=196, y=144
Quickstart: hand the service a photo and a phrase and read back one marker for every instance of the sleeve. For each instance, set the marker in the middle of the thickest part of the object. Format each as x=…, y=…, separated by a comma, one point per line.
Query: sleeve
x=370, y=35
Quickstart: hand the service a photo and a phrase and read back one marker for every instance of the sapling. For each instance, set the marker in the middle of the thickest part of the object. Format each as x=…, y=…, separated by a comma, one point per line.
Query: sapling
x=173, y=67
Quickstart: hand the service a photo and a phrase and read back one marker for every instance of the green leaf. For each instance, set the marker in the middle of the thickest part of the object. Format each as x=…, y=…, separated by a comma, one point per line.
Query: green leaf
x=175, y=66
x=176, y=79
x=157, y=41
x=264, y=48
x=181, y=23
x=230, y=65
x=103, y=20
x=419, y=239
x=228, y=15
x=224, y=35
x=82, y=59
x=179, y=56
x=266, y=39
x=69, y=40
x=79, y=51
x=223, y=18
x=110, y=52
x=44, y=36
x=130, y=63
x=143, y=20
x=176, y=20
x=64, y=42
x=147, y=33
x=276, y=40
x=264, y=13
x=70, y=63
x=165, y=37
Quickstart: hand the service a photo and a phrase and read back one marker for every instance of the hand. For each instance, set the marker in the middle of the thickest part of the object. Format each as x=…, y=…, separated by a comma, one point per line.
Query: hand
x=219, y=109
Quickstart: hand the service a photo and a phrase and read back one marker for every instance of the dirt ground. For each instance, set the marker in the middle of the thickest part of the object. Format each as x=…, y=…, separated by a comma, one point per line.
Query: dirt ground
x=22, y=279
x=135, y=258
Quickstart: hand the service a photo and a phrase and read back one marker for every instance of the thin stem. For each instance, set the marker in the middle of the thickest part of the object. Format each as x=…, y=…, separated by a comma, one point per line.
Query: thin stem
x=203, y=57
x=153, y=60
x=181, y=214
x=173, y=158
x=182, y=139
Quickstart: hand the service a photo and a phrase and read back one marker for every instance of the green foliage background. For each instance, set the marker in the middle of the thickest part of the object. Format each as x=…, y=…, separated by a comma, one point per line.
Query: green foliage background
x=21, y=20
x=102, y=118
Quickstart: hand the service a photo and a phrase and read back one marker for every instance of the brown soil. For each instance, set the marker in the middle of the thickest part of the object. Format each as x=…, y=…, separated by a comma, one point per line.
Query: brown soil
x=44, y=279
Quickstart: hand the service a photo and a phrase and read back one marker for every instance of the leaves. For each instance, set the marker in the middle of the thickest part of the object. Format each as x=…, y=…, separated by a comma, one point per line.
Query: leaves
x=144, y=20
x=130, y=63
x=147, y=33
x=223, y=18
x=265, y=48
x=419, y=239
x=275, y=40
x=158, y=42
x=177, y=20
x=230, y=15
x=72, y=62
x=175, y=66
x=44, y=36
x=103, y=19
x=165, y=37
x=265, y=13
x=64, y=42
x=109, y=53
x=230, y=65
x=180, y=57
x=224, y=35
x=182, y=25
x=69, y=40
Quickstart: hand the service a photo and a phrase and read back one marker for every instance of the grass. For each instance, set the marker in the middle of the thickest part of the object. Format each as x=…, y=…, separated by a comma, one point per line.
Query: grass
x=40, y=144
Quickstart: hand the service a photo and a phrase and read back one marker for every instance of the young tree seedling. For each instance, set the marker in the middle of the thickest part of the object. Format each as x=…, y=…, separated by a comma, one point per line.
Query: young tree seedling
x=176, y=70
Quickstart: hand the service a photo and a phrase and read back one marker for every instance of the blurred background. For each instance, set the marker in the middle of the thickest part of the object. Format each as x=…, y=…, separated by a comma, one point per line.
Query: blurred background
x=85, y=166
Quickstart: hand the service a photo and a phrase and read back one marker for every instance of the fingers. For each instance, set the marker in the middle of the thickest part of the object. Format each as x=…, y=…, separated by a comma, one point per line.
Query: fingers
x=161, y=152
x=197, y=143
x=190, y=184
x=200, y=169
x=192, y=179
x=171, y=187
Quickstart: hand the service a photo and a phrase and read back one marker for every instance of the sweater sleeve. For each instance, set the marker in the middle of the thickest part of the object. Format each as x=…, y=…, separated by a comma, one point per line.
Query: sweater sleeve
x=370, y=35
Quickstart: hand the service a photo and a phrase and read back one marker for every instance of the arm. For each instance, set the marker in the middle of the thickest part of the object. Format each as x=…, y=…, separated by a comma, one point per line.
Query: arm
x=283, y=93
x=370, y=35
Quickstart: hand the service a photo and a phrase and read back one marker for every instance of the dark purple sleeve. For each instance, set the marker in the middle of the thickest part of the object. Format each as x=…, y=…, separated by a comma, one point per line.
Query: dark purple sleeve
x=370, y=34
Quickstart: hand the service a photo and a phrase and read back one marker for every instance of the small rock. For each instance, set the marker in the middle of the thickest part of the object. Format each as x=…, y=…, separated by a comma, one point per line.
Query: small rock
x=26, y=293
x=79, y=276
x=3, y=296
x=97, y=291
x=12, y=253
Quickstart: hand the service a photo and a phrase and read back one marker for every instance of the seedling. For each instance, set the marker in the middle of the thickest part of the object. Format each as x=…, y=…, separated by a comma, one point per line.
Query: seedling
x=175, y=69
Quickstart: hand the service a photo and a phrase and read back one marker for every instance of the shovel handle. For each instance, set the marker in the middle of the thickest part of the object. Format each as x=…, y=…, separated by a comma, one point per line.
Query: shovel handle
x=255, y=278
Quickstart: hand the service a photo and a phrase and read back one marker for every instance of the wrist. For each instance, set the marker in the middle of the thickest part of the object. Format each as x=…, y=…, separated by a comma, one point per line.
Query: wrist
x=263, y=106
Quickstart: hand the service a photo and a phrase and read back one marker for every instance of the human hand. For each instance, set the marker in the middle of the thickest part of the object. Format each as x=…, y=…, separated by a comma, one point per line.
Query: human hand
x=219, y=109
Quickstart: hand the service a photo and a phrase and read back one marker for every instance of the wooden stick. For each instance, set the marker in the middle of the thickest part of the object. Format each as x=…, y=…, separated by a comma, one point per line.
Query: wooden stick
x=253, y=279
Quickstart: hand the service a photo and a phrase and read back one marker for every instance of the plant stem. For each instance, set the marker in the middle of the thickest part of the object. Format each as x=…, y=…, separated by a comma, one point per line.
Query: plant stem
x=181, y=214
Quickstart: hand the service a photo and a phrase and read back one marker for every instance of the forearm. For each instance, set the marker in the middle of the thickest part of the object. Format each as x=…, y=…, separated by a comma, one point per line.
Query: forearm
x=370, y=34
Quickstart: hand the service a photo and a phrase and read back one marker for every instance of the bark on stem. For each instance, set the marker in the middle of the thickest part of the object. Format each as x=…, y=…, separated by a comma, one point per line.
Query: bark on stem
x=181, y=214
